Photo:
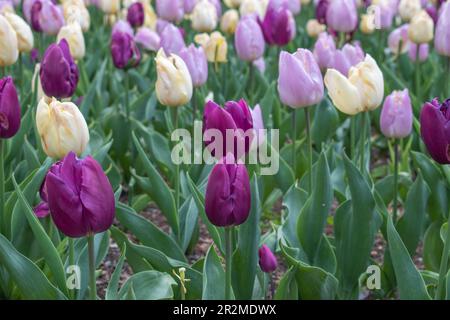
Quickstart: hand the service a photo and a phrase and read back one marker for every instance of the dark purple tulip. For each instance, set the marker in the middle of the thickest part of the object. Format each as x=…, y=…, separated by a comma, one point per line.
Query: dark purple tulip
x=321, y=11
x=35, y=10
x=135, y=15
x=59, y=73
x=34, y=55
x=124, y=51
x=267, y=260
x=278, y=25
x=9, y=109
x=79, y=196
x=234, y=116
x=228, y=197
x=435, y=129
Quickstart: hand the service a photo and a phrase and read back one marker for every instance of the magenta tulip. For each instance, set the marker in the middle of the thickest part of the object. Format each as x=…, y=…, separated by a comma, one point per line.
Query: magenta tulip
x=267, y=260
x=125, y=53
x=9, y=109
x=278, y=25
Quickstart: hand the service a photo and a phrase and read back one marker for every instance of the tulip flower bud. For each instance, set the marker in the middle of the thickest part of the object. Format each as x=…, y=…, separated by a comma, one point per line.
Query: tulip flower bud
x=174, y=83
x=252, y=7
x=408, y=9
x=79, y=196
x=342, y=15
x=229, y=21
x=321, y=11
x=397, y=116
x=442, y=39
x=9, y=51
x=347, y=57
x=367, y=25
x=148, y=39
x=77, y=12
x=324, y=49
x=204, y=17
x=59, y=73
x=300, y=81
x=421, y=28
x=228, y=197
x=188, y=6
x=110, y=6
x=172, y=10
x=267, y=261
x=9, y=109
x=386, y=10
x=196, y=62
x=398, y=40
x=233, y=3
x=172, y=40
x=74, y=36
x=125, y=53
x=314, y=28
x=423, y=53
x=249, y=39
x=62, y=128
x=24, y=34
x=46, y=17
x=136, y=15
x=150, y=17
x=215, y=46
x=278, y=25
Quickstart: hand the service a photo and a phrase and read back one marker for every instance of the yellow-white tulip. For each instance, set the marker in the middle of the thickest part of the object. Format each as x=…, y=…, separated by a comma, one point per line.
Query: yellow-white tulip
x=25, y=40
x=421, y=28
x=150, y=17
x=9, y=50
x=314, y=28
x=253, y=6
x=215, y=46
x=174, y=83
x=367, y=24
x=110, y=6
x=204, y=16
x=229, y=21
x=36, y=80
x=408, y=9
x=77, y=13
x=362, y=91
x=74, y=36
x=233, y=3
x=61, y=127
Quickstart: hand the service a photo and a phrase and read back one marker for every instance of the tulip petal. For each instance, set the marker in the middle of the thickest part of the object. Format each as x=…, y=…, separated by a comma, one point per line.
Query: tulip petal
x=435, y=133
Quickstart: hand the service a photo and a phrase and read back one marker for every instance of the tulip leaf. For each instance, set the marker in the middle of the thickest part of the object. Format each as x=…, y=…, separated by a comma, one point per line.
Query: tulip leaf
x=432, y=247
x=88, y=99
x=188, y=221
x=149, y=285
x=113, y=285
x=213, y=277
x=326, y=121
x=287, y=288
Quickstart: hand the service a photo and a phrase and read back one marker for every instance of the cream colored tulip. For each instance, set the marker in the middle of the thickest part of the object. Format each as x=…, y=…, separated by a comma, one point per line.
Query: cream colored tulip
x=204, y=16
x=150, y=17
x=233, y=3
x=77, y=13
x=421, y=28
x=408, y=9
x=174, y=83
x=110, y=6
x=61, y=127
x=367, y=24
x=9, y=50
x=253, y=6
x=229, y=21
x=314, y=28
x=25, y=40
x=36, y=80
x=7, y=7
x=74, y=36
x=362, y=91
x=215, y=46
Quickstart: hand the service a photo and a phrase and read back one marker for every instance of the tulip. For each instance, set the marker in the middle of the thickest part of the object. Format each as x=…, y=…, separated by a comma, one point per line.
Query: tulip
x=314, y=28
x=174, y=83
x=228, y=197
x=9, y=109
x=386, y=11
x=172, y=10
x=136, y=15
x=77, y=12
x=267, y=260
x=342, y=15
x=397, y=116
x=23, y=31
x=59, y=73
x=229, y=21
x=343, y=59
x=46, y=17
x=367, y=24
x=408, y=9
x=278, y=25
x=252, y=7
x=321, y=11
x=398, y=40
x=442, y=39
x=36, y=81
x=215, y=46
x=189, y=5
x=74, y=36
x=260, y=64
x=148, y=39
x=421, y=28
x=324, y=49
x=125, y=53
x=233, y=3
x=110, y=6
x=249, y=40
x=172, y=40
x=61, y=127
x=6, y=7
x=294, y=6
x=196, y=62
x=300, y=82
x=122, y=26
x=9, y=51
x=258, y=125
x=204, y=17
x=423, y=53
x=150, y=17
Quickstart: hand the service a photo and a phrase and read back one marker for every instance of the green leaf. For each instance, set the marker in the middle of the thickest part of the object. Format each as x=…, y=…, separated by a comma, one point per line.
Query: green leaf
x=294, y=200
x=432, y=247
x=213, y=277
x=149, y=285
x=287, y=288
x=113, y=285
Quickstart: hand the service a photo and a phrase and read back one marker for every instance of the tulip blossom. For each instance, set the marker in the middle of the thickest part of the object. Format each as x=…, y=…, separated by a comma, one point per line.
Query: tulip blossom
x=314, y=28
x=215, y=46
x=228, y=197
x=9, y=50
x=442, y=38
x=46, y=17
x=229, y=21
x=79, y=197
x=397, y=116
x=386, y=10
x=300, y=81
x=267, y=261
x=233, y=3
x=408, y=9
x=25, y=40
x=434, y=121
x=74, y=36
x=125, y=53
x=347, y=57
x=122, y=26
x=398, y=40
x=77, y=12
x=9, y=109
x=421, y=28
x=204, y=17
x=324, y=49
x=321, y=11
x=342, y=15
x=172, y=10
x=61, y=127
x=252, y=7
x=249, y=40
x=196, y=62
x=136, y=15
x=148, y=39
x=421, y=55
x=172, y=40
x=110, y=6
x=278, y=25
x=59, y=73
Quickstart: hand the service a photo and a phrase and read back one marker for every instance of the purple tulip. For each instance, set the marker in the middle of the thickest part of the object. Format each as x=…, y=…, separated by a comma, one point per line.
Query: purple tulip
x=397, y=116
x=442, y=34
x=324, y=49
x=189, y=6
x=236, y=118
x=342, y=15
x=267, y=260
x=249, y=39
x=122, y=26
x=172, y=40
x=59, y=73
x=424, y=50
x=228, y=197
x=278, y=25
x=387, y=14
x=172, y=10
x=79, y=197
x=148, y=39
x=9, y=109
x=398, y=39
x=300, y=82
x=347, y=57
x=47, y=17
x=196, y=62
x=260, y=64
x=135, y=15
x=125, y=53
x=432, y=12
x=321, y=11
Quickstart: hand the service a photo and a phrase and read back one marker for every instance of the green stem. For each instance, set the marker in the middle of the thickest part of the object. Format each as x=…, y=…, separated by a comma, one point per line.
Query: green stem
x=92, y=284
x=2, y=184
x=395, y=203
x=177, y=167
x=440, y=292
x=127, y=87
x=194, y=108
x=417, y=75
x=310, y=150
x=352, y=137
x=294, y=137
x=71, y=261
x=362, y=142
x=250, y=78
x=228, y=257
